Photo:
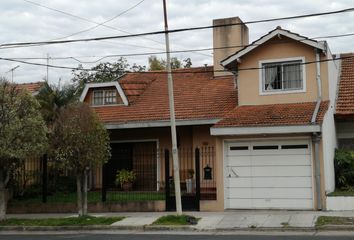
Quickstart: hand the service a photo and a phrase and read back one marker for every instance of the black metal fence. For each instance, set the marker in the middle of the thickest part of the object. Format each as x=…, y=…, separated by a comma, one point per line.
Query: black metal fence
x=41, y=180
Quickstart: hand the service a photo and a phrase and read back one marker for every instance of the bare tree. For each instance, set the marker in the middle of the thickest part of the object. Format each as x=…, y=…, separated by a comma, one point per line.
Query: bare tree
x=22, y=133
x=80, y=143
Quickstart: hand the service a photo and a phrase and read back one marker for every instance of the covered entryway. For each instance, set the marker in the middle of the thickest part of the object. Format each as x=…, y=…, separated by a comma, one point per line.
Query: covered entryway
x=268, y=174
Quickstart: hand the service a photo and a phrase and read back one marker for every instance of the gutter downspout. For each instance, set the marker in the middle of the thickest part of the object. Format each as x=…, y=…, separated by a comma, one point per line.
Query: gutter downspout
x=316, y=137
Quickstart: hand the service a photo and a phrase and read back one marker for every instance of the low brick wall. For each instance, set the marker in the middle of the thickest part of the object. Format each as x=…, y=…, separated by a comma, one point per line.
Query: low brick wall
x=133, y=206
x=340, y=203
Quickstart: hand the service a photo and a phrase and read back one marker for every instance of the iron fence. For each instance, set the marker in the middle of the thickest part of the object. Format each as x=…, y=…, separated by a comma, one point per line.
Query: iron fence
x=41, y=180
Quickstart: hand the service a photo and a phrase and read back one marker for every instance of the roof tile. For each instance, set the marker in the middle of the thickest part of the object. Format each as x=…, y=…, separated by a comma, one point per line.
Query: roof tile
x=197, y=94
x=273, y=115
x=345, y=99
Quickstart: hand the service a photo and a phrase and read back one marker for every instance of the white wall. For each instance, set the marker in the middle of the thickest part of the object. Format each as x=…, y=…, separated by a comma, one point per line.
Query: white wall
x=328, y=127
x=340, y=203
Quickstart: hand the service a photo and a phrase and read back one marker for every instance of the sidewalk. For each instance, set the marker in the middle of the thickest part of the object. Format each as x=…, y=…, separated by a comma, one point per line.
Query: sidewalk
x=215, y=221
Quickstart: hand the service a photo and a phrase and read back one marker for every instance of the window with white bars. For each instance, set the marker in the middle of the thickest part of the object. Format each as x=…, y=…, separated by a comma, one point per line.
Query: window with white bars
x=282, y=76
x=104, y=97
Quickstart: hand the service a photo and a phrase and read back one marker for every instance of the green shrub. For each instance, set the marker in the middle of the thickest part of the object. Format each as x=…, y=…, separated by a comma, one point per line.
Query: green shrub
x=125, y=176
x=344, y=169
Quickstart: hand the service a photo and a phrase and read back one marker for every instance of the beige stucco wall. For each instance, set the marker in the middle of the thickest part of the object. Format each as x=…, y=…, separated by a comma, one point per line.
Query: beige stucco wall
x=249, y=81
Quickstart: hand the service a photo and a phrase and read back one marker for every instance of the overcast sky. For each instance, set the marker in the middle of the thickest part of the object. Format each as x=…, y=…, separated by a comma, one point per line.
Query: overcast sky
x=22, y=21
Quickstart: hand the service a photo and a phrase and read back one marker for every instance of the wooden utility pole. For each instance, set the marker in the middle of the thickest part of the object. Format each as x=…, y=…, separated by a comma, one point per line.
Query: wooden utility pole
x=172, y=118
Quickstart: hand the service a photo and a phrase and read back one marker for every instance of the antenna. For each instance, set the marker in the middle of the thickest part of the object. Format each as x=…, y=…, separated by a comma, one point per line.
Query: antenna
x=12, y=72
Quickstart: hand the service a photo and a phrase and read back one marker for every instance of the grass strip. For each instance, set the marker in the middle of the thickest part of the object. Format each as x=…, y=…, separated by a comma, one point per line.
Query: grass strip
x=176, y=220
x=70, y=221
x=343, y=193
x=330, y=220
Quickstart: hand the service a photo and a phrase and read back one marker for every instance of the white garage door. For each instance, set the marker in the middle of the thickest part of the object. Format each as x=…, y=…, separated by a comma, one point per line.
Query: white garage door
x=268, y=175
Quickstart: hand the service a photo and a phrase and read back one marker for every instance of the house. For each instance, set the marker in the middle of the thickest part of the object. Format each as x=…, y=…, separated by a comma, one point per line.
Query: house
x=344, y=111
x=33, y=87
x=266, y=109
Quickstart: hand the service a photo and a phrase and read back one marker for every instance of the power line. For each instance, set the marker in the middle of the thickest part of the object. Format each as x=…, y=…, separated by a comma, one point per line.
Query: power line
x=97, y=23
x=174, y=51
x=102, y=23
x=44, y=65
x=172, y=31
x=179, y=71
x=86, y=20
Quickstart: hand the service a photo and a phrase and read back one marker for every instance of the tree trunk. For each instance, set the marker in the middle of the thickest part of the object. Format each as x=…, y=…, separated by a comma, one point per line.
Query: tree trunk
x=79, y=194
x=85, y=193
x=2, y=203
x=3, y=200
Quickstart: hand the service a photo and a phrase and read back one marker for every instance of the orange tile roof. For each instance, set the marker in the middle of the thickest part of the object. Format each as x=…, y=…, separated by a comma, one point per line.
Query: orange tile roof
x=273, y=115
x=31, y=87
x=345, y=98
x=198, y=96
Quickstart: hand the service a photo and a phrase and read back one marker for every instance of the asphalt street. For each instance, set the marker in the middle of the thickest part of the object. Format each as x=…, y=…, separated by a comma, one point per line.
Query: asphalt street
x=173, y=237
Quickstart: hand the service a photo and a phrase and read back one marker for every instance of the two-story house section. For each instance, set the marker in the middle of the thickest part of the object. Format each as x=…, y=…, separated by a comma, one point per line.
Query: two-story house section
x=273, y=141
x=265, y=108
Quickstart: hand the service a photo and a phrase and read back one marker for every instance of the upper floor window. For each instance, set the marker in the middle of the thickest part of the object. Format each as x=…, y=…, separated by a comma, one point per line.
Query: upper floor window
x=282, y=76
x=104, y=97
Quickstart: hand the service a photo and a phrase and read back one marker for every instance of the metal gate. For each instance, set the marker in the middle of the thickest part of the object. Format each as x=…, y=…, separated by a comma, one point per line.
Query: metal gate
x=190, y=185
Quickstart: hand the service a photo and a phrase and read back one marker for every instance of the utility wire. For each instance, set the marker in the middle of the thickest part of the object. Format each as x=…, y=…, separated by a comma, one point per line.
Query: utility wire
x=179, y=71
x=102, y=23
x=76, y=58
x=173, y=30
x=97, y=23
x=86, y=20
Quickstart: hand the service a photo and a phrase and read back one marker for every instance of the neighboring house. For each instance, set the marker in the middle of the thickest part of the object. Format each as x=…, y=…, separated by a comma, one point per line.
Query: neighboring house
x=269, y=117
x=33, y=87
x=344, y=112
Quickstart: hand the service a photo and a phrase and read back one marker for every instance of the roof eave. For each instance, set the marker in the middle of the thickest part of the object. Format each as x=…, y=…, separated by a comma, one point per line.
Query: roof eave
x=319, y=45
x=227, y=131
x=160, y=123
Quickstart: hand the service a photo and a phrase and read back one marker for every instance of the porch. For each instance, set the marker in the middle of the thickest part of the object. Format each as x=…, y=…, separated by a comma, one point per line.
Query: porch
x=41, y=188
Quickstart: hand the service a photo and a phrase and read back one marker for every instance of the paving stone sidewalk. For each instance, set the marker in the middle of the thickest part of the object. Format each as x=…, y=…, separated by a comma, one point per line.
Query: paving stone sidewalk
x=228, y=220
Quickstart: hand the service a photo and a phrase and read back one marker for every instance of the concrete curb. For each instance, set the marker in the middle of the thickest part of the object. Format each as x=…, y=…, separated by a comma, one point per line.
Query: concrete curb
x=156, y=228
x=68, y=228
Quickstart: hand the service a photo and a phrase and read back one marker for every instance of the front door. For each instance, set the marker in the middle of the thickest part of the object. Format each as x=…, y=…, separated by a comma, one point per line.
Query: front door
x=121, y=158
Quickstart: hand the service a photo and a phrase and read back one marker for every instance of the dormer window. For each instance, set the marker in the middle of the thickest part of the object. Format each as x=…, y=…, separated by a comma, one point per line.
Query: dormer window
x=282, y=76
x=104, y=97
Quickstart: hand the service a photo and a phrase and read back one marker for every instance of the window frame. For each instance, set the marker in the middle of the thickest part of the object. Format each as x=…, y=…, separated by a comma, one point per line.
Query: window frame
x=281, y=60
x=104, y=102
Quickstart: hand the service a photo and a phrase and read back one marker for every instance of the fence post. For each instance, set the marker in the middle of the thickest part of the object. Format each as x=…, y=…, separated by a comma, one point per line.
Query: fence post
x=167, y=179
x=44, y=161
x=197, y=177
x=104, y=185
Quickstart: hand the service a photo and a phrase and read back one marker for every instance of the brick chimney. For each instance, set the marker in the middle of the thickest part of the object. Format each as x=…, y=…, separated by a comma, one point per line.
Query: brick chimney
x=234, y=35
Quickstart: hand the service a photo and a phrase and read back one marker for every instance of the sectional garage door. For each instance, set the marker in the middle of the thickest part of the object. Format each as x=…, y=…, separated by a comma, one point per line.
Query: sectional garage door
x=268, y=175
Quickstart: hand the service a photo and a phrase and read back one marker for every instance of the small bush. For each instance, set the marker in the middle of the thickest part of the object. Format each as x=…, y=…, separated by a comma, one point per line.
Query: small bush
x=344, y=169
x=176, y=220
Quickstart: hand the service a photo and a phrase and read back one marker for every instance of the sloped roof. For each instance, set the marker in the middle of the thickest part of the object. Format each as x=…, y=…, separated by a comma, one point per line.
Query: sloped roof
x=273, y=115
x=198, y=96
x=134, y=85
x=345, y=98
x=33, y=87
x=277, y=31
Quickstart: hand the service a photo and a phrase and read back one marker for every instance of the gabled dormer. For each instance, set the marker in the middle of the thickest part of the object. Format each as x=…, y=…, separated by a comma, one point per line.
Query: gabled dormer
x=280, y=67
x=104, y=94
